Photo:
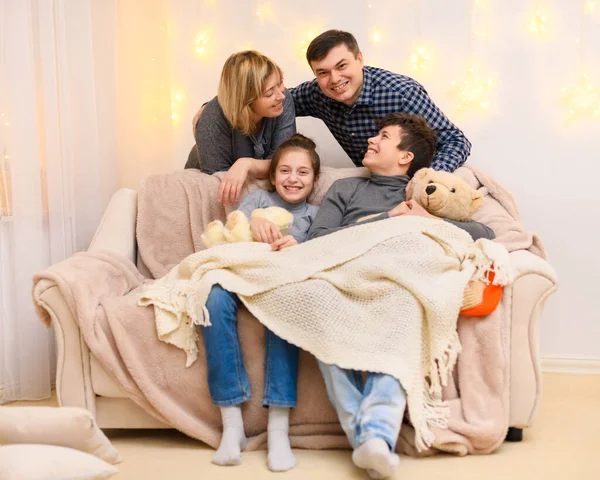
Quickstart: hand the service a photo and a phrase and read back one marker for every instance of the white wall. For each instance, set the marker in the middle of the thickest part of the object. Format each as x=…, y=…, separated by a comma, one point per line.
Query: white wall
x=523, y=140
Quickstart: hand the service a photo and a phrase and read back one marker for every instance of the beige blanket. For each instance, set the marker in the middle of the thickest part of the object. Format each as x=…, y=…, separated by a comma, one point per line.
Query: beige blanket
x=172, y=214
x=382, y=297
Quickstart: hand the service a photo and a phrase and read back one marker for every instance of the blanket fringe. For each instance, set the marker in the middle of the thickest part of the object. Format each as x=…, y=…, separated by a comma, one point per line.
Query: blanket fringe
x=488, y=256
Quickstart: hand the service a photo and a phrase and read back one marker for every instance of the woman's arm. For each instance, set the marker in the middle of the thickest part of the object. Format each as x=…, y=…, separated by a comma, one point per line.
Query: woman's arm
x=213, y=138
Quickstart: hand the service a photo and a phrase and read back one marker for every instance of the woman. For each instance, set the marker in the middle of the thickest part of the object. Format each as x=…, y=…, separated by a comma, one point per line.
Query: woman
x=242, y=126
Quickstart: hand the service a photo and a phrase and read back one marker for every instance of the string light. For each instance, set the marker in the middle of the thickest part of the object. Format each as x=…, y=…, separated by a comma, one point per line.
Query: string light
x=177, y=99
x=376, y=37
x=264, y=12
x=201, y=42
x=591, y=5
x=473, y=91
x=583, y=99
x=306, y=41
x=538, y=23
x=419, y=59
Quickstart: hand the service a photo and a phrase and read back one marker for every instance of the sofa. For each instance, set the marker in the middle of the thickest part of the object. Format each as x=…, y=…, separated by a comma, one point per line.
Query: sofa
x=81, y=380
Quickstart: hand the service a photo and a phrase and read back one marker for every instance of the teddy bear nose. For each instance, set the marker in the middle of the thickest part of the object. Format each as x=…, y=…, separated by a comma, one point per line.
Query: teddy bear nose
x=430, y=189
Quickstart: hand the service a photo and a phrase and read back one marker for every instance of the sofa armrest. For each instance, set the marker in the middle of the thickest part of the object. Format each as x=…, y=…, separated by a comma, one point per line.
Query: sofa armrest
x=535, y=280
x=73, y=377
x=116, y=232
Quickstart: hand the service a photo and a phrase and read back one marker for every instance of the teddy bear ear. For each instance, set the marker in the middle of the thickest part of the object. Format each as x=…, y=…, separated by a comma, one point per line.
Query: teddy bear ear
x=421, y=174
x=477, y=201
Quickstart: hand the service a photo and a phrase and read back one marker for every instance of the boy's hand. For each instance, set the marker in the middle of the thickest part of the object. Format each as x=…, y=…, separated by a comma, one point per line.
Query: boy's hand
x=399, y=209
x=264, y=231
x=415, y=208
x=287, y=241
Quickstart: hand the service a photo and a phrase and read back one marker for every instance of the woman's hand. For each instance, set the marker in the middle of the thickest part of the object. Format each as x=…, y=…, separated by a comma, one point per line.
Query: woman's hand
x=287, y=241
x=264, y=230
x=233, y=181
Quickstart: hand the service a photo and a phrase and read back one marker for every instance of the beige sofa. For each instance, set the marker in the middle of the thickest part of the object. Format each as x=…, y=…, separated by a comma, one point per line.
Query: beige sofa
x=82, y=382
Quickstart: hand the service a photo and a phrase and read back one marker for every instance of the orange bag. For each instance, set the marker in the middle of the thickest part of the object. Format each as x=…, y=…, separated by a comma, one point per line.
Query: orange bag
x=492, y=294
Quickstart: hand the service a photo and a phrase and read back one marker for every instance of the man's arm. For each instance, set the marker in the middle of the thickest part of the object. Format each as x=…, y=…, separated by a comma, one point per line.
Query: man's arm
x=303, y=99
x=453, y=148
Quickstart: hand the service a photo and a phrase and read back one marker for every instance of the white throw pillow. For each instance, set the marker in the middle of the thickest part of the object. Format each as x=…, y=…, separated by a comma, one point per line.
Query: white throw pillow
x=49, y=462
x=61, y=426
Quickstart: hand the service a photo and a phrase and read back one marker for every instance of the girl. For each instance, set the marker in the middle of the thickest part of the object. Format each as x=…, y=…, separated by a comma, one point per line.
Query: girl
x=243, y=125
x=293, y=171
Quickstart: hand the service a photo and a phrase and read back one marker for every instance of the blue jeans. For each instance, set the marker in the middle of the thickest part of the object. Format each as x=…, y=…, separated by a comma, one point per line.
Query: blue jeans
x=373, y=410
x=227, y=379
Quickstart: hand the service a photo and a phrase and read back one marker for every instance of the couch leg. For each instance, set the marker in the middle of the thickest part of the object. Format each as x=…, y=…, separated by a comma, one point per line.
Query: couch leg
x=514, y=434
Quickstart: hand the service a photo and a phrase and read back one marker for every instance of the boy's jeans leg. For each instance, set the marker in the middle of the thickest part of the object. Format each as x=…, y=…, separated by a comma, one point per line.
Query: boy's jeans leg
x=227, y=379
x=281, y=372
x=381, y=410
x=344, y=389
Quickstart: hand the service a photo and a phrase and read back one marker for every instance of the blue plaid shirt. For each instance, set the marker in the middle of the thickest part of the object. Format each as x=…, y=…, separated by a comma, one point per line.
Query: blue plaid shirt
x=383, y=92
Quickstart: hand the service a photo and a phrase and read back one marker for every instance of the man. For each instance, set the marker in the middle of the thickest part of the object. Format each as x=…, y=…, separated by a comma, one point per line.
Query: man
x=371, y=415
x=350, y=97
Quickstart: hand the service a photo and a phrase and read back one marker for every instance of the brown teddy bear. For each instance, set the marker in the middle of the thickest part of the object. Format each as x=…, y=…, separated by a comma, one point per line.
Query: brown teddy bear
x=447, y=196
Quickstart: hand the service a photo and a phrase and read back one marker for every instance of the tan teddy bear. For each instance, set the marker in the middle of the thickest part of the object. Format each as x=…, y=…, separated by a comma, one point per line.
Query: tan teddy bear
x=237, y=226
x=444, y=195
x=447, y=196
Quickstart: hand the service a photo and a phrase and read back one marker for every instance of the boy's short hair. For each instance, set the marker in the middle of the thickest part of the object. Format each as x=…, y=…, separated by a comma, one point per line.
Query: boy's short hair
x=416, y=137
x=321, y=45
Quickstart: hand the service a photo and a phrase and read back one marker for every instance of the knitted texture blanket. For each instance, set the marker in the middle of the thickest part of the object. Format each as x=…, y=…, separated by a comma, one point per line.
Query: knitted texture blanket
x=382, y=297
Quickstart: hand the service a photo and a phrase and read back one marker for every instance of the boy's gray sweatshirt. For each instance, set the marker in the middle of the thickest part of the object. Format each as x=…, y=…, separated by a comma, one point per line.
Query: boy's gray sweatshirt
x=351, y=199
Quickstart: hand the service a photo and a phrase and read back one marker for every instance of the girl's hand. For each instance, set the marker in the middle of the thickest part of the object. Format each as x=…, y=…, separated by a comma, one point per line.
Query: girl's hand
x=233, y=181
x=287, y=241
x=264, y=230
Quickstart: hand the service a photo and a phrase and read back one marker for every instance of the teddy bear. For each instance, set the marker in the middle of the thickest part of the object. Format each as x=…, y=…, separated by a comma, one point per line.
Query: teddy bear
x=444, y=195
x=447, y=196
x=237, y=226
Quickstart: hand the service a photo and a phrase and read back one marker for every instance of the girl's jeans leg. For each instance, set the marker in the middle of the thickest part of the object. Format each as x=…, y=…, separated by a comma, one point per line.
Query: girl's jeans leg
x=227, y=379
x=281, y=372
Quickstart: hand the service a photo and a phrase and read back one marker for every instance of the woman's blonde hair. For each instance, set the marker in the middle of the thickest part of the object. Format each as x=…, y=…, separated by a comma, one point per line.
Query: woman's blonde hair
x=242, y=82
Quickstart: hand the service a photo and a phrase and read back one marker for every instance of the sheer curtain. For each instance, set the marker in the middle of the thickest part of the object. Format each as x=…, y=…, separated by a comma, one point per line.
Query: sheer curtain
x=55, y=175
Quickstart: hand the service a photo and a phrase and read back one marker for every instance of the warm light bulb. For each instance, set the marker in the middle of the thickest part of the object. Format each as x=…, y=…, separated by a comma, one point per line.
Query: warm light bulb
x=538, y=23
x=419, y=59
x=376, y=37
x=265, y=13
x=201, y=42
x=582, y=99
x=305, y=42
x=473, y=91
x=591, y=5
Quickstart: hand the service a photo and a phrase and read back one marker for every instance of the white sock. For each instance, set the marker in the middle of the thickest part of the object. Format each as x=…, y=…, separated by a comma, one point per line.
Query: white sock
x=374, y=455
x=233, y=439
x=280, y=457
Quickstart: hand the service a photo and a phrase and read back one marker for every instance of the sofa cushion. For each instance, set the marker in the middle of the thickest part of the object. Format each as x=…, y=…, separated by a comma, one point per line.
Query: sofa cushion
x=34, y=462
x=61, y=426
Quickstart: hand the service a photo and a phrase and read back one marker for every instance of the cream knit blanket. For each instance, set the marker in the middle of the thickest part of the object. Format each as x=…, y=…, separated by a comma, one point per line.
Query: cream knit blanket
x=380, y=297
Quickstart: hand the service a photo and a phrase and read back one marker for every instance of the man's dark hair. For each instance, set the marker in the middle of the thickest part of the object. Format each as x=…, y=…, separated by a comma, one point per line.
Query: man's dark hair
x=416, y=137
x=321, y=45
